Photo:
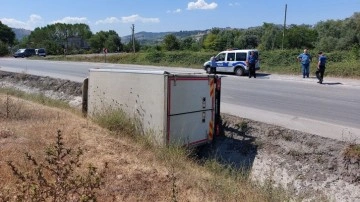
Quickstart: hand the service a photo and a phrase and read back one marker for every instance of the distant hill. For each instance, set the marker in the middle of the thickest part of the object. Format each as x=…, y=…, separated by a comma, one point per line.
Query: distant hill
x=144, y=38
x=150, y=38
x=20, y=33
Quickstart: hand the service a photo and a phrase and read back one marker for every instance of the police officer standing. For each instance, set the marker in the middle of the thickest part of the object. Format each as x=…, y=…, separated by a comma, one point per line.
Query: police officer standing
x=321, y=67
x=251, y=62
x=213, y=64
x=305, y=59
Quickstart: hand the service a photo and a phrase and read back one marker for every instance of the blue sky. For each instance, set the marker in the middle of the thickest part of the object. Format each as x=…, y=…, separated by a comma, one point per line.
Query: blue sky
x=171, y=15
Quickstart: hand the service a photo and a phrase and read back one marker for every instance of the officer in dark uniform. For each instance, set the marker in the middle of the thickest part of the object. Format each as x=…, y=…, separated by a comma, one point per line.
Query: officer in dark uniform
x=251, y=62
x=321, y=67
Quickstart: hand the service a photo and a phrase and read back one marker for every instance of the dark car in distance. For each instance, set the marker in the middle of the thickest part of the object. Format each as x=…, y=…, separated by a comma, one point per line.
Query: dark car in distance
x=24, y=52
x=41, y=52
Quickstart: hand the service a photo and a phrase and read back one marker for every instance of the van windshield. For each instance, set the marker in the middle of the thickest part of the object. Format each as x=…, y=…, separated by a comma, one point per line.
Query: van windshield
x=220, y=57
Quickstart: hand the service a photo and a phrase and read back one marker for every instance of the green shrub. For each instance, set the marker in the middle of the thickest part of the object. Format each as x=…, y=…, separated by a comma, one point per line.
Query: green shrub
x=154, y=56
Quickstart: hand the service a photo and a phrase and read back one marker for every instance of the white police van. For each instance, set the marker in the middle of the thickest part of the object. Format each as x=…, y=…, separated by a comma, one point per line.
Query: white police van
x=232, y=61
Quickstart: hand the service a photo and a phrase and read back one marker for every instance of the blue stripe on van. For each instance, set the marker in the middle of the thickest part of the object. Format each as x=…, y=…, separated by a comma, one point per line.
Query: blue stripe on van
x=237, y=63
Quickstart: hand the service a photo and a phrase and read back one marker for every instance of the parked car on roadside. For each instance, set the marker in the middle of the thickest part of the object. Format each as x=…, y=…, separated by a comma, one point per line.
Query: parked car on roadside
x=41, y=52
x=24, y=52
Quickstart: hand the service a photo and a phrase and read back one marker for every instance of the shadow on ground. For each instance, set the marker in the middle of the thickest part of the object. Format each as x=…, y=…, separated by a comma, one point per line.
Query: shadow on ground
x=332, y=83
x=258, y=75
x=233, y=148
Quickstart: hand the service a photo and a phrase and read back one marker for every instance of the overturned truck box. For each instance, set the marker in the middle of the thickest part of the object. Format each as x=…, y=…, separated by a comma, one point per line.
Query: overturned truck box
x=173, y=108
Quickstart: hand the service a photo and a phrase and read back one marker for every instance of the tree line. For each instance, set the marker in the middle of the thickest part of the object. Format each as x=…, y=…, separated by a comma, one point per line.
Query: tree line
x=330, y=35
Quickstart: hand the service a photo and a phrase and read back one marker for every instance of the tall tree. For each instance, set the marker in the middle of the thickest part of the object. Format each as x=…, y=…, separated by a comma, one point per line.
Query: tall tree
x=109, y=40
x=54, y=37
x=7, y=36
x=209, y=42
x=251, y=38
x=271, y=38
x=171, y=43
x=113, y=42
x=187, y=43
x=224, y=40
x=97, y=41
x=300, y=36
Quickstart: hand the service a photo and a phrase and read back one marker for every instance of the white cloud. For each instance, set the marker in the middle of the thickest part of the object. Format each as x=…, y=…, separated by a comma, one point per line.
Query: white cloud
x=137, y=18
x=127, y=19
x=110, y=20
x=13, y=23
x=177, y=10
x=174, y=11
x=71, y=20
x=37, y=21
x=33, y=21
x=201, y=4
x=234, y=4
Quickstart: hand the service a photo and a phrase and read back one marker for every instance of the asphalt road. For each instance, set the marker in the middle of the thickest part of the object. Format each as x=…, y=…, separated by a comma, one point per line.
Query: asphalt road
x=330, y=110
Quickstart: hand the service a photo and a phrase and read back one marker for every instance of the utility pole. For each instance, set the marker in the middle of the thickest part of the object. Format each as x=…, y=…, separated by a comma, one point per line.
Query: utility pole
x=282, y=46
x=133, y=37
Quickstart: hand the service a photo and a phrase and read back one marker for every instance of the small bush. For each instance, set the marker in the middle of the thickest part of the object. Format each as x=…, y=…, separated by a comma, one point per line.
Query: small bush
x=9, y=109
x=55, y=179
x=154, y=56
x=242, y=127
x=353, y=151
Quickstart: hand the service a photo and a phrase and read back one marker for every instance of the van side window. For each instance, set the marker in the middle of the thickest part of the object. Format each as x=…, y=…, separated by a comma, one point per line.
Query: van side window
x=230, y=56
x=240, y=56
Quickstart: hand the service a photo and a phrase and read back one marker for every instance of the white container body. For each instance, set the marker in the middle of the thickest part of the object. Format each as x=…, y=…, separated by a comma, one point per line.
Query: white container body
x=171, y=108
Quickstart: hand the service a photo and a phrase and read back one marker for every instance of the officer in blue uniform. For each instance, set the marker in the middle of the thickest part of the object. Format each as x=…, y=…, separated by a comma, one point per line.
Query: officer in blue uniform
x=305, y=59
x=251, y=62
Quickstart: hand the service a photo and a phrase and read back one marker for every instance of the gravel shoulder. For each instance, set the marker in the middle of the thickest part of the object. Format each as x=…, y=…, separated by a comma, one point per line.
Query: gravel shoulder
x=310, y=167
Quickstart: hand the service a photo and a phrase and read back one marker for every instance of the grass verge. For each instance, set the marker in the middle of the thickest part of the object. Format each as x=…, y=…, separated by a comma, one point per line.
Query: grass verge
x=137, y=170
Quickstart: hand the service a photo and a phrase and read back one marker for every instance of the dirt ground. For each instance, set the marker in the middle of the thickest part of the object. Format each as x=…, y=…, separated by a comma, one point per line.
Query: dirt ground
x=304, y=164
x=308, y=166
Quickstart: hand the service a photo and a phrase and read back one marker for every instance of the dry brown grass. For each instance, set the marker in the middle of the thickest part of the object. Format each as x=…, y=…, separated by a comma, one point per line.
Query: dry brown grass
x=137, y=171
x=352, y=152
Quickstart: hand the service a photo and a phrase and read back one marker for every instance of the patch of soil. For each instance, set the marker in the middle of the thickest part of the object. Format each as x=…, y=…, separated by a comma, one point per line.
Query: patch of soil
x=59, y=89
x=308, y=166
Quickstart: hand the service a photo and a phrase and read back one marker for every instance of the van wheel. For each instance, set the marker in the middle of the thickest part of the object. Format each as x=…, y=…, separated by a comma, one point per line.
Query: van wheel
x=239, y=71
